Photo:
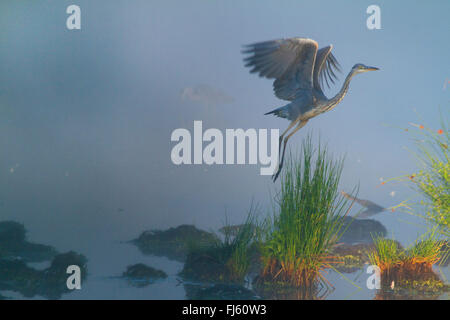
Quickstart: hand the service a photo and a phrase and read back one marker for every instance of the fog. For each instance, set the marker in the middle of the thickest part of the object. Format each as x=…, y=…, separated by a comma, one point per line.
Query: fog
x=86, y=115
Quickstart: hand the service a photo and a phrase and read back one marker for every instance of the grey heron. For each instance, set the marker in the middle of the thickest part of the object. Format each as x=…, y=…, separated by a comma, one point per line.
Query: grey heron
x=299, y=68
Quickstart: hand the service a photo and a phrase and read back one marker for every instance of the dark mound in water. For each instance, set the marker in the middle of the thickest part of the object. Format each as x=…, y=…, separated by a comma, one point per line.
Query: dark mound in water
x=50, y=283
x=219, y=292
x=141, y=275
x=205, y=267
x=361, y=230
x=13, y=244
x=141, y=271
x=173, y=243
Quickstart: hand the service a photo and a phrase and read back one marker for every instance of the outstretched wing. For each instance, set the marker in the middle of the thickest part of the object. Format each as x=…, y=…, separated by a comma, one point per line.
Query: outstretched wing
x=324, y=68
x=289, y=61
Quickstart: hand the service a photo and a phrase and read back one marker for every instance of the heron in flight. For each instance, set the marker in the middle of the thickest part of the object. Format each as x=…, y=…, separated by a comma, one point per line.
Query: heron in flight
x=299, y=68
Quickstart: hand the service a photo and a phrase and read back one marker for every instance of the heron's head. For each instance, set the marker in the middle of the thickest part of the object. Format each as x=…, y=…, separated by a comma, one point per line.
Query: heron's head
x=361, y=68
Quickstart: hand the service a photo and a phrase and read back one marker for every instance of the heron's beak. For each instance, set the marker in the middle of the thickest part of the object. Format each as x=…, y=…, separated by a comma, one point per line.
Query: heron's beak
x=372, y=69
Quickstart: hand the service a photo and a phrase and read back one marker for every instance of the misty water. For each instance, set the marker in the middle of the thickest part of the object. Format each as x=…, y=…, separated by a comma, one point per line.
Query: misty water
x=86, y=119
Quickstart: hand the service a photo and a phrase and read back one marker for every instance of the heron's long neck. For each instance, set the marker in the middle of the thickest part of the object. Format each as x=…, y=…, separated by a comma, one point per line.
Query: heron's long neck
x=341, y=94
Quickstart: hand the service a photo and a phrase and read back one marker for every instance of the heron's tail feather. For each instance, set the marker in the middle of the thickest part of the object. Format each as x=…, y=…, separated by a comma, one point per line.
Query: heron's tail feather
x=282, y=112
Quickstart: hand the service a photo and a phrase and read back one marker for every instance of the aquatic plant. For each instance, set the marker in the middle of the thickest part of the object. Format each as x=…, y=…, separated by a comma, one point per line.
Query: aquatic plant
x=226, y=260
x=432, y=180
x=386, y=253
x=427, y=249
x=413, y=265
x=244, y=245
x=308, y=220
x=413, y=270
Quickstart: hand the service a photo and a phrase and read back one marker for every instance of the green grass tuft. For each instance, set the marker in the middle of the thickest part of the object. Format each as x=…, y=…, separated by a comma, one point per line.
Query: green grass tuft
x=308, y=219
x=387, y=253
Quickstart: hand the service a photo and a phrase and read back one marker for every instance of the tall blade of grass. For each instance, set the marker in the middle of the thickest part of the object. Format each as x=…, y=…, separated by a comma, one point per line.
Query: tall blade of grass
x=309, y=217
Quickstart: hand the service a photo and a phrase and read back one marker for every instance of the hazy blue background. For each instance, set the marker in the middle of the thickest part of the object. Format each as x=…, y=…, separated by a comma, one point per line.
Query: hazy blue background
x=86, y=116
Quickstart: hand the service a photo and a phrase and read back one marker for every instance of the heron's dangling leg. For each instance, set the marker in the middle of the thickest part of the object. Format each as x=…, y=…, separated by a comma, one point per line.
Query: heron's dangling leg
x=300, y=125
x=293, y=123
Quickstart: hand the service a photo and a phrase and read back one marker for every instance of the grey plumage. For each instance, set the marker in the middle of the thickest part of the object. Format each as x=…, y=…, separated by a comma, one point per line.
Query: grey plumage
x=300, y=70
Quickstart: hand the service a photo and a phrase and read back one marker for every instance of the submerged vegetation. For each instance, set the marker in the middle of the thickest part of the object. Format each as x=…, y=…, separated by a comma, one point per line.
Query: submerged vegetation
x=308, y=222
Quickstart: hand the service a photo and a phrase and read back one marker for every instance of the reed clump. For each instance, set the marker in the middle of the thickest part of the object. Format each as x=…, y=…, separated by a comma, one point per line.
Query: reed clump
x=410, y=268
x=308, y=221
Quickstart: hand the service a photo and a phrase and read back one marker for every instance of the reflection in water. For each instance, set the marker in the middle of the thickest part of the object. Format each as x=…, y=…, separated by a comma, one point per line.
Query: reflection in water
x=219, y=292
x=141, y=275
x=239, y=292
x=371, y=207
x=319, y=291
x=49, y=281
x=393, y=295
